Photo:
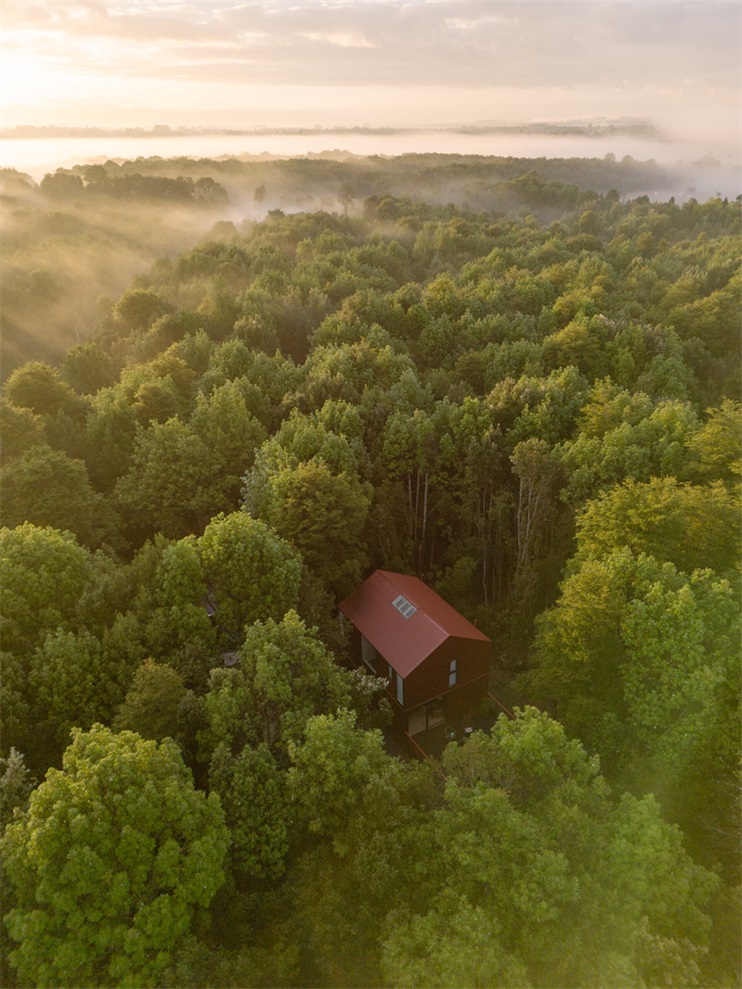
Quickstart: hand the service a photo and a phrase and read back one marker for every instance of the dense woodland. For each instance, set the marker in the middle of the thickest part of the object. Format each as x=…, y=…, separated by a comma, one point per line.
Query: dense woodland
x=83, y=233
x=528, y=398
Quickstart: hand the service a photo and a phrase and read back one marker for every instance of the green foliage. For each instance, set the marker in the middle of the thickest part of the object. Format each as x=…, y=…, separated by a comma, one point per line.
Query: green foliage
x=61, y=185
x=255, y=797
x=688, y=525
x=88, y=368
x=152, y=703
x=40, y=388
x=111, y=432
x=313, y=509
x=135, y=308
x=716, y=446
x=364, y=835
x=255, y=715
x=21, y=430
x=422, y=388
x=644, y=443
x=638, y=658
x=170, y=483
x=16, y=786
x=111, y=863
x=48, y=488
x=285, y=677
x=43, y=573
x=329, y=770
x=512, y=864
x=454, y=945
x=251, y=574
x=230, y=431
x=535, y=797
x=75, y=682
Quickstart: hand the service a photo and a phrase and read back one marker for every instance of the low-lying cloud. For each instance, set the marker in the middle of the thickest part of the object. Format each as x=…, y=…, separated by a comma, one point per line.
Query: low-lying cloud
x=534, y=59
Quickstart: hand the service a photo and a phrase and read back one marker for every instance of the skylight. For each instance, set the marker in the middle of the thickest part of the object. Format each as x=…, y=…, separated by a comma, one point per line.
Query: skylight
x=403, y=606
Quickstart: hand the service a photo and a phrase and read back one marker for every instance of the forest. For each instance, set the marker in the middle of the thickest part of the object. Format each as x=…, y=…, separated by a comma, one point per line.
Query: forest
x=231, y=390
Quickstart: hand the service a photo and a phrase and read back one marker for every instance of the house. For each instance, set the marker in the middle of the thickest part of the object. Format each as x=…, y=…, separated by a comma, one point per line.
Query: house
x=435, y=661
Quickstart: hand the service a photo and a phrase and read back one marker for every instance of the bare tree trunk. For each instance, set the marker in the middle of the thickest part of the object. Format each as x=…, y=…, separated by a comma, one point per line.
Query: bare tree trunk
x=425, y=517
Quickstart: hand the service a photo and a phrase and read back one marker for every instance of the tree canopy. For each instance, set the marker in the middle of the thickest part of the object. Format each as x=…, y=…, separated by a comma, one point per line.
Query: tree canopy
x=109, y=867
x=505, y=376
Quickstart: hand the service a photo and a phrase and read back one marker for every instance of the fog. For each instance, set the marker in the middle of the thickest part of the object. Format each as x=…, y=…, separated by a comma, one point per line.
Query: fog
x=61, y=258
x=698, y=168
x=63, y=250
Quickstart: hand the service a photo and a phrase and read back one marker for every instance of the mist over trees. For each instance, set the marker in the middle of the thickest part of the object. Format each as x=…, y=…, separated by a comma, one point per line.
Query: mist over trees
x=528, y=395
x=72, y=242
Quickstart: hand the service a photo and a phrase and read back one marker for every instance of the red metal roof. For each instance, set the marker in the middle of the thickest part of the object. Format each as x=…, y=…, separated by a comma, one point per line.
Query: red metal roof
x=404, y=642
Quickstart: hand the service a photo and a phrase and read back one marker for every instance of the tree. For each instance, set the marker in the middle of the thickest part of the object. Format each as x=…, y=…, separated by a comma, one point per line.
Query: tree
x=409, y=456
x=352, y=372
x=43, y=573
x=170, y=487
x=207, y=192
x=502, y=866
x=286, y=676
x=330, y=769
x=20, y=429
x=643, y=444
x=360, y=813
x=454, y=946
x=111, y=431
x=639, y=660
x=16, y=786
x=137, y=307
x=716, y=447
x=346, y=197
x=692, y=526
x=251, y=574
x=16, y=725
x=88, y=368
x=40, y=388
x=580, y=344
x=175, y=624
x=253, y=791
x=61, y=185
x=537, y=473
x=681, y=638
x=231, y=434
x=152, y=703
x=321, y=514
x=75, y=682
x=526, y=832
x=255, y=713
x=48, y=488
x=111, y=864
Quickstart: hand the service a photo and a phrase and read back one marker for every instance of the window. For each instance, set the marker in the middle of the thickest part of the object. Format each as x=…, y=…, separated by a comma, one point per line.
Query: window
x=452, y=671
x=400, y=690
x=389, y=672
x=435, y=712
x=426, y=716
x=403, y=606
x=368, y=654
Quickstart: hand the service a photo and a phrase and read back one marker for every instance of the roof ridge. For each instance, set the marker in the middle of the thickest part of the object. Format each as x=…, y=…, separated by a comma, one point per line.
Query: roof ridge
x=430, y=590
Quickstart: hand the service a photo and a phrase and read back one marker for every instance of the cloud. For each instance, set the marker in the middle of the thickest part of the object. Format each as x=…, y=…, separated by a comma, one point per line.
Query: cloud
x=653, y=51
x=405, y=42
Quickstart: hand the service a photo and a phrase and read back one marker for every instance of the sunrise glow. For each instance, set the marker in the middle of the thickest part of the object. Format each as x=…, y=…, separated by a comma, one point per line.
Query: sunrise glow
x=412, y=63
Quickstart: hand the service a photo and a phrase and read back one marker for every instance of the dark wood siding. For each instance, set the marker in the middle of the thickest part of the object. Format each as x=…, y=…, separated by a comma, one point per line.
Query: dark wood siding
x=430, y=679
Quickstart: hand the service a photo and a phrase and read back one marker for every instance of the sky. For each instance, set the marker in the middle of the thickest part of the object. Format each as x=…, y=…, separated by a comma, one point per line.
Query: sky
x=247, y=63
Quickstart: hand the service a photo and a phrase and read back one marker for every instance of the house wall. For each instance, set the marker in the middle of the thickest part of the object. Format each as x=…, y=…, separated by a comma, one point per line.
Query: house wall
x=430, y=679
